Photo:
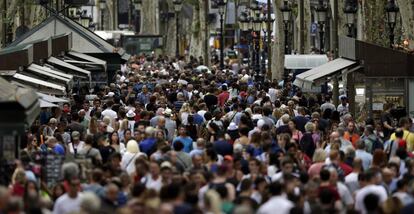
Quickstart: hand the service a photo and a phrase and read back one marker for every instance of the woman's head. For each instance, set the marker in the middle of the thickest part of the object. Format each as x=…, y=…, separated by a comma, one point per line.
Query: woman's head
x=292, y=125
x=114, y=138
x=132, y=146
x=319, y=156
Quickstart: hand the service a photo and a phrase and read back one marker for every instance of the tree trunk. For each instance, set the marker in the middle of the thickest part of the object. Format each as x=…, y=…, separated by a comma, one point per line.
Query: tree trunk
x=149, y=22
x=171, y=32
x=373, y=22
x=196, y=41
x=205, y=31
x=407, y=16
x=278, y=55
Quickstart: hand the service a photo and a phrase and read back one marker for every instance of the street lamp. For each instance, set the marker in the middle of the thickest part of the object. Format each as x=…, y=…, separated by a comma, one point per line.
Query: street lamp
x=286, y=14
x=321, y=12
x=392, y=11
x=350, y=11
x=221, y=9
x=102, y=6
x=256, y=19
x=177, y=8
x=85, y=19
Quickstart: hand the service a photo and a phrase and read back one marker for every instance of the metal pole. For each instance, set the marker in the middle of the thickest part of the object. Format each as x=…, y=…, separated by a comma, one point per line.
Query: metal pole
x=321, y=39
x=269, y=40
x=264, y=48
x=350, y=29
x=286, y=39
x=102, y=19
x=257, y=67
x=221, y=42
x=391, y=35
x=302, y=27
x=177, y=39
x=335, y=29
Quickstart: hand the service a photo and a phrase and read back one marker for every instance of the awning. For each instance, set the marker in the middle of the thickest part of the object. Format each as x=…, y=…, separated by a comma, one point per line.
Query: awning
x=45, y=104
x=89, y=59
x=69, y=66
x=57, y=72
x=304, y=62
x=45, y=74
x=306, y=79
x=51, y=99
x=31, y=82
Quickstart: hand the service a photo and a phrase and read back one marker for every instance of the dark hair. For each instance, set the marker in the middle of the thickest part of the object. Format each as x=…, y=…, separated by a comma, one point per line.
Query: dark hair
x=110, y=137
x=399, y=133
x=324, y=175
x=275, y=188
x=371, y=202
x=178, y=146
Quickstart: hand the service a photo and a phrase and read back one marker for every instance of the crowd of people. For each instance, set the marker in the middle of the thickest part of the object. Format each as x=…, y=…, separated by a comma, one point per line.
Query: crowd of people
x=165, y=137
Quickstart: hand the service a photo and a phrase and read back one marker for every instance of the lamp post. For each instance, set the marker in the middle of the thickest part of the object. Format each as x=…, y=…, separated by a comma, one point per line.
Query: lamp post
x=392, y=11
x=267, y=26
x=221, y=9
x=244, y=24
x=350, y=11
x=137, y=7
x=321, y=11
x=102, y=6
x=85, y=19
x=257, y=28
x=286, y=14
x=177, y=9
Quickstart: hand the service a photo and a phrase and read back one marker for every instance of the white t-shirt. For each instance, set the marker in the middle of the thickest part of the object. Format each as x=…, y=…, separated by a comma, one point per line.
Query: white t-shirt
x=110, y=113
x=346, y=196
x=370, y=189
x=276, y=204
x=154, y=184
x=64, y=204
x=351, y=181
x=79, y=147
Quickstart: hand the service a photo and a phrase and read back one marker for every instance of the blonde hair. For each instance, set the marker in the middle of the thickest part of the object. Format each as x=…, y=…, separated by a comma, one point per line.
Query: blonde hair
x=132, y=147
x=319, y=156
x=19, y=176
x=93, y=125
x=123, y=124
x=185, y=108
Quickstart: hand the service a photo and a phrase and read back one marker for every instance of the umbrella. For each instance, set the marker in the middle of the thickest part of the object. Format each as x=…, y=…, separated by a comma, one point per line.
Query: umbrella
x=45, y=104
x=51, y=99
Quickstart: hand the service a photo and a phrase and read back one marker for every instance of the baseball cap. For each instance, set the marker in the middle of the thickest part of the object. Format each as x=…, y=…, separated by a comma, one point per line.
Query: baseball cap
x=75, y=135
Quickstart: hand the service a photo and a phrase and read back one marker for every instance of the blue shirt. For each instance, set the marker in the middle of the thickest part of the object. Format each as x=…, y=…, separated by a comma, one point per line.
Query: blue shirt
x=187, y=142
x=143, y=98
x=59, y=149
x=365, y=157
x=223, y=148
x=147, y=146
x=198, y=119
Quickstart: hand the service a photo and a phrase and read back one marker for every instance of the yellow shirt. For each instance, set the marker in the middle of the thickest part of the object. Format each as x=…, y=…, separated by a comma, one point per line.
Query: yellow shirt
x=408, y=137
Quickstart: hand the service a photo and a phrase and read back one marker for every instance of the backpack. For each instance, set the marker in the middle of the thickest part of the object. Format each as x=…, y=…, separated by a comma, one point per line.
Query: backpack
x=377, y=144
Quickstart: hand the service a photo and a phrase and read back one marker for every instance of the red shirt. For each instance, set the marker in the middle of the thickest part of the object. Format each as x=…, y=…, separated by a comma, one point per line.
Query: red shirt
x=347, y=169
x=223, y=97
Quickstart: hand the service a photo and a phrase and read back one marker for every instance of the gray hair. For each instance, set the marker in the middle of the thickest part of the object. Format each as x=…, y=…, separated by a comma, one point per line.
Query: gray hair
x=90, y=203
x=70, y=170
x=309, y=127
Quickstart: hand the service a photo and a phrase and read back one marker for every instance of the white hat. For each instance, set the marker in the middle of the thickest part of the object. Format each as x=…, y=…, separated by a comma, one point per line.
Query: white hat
x=166, y=164
x=111, y=94
x=232, y=126
x=130, y=114
x=167, y=112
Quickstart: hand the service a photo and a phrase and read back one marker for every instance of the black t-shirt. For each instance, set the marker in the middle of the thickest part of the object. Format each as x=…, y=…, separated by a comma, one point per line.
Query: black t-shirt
x=211, y=100
x=386, y=117
x=106, y=152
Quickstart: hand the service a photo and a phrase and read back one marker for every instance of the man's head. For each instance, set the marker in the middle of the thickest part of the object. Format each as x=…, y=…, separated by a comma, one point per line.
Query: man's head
x=51, y=142
x=73, y=189
x=111, y=192
x=182, y=131
x=287, y=165
x=161, y=122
